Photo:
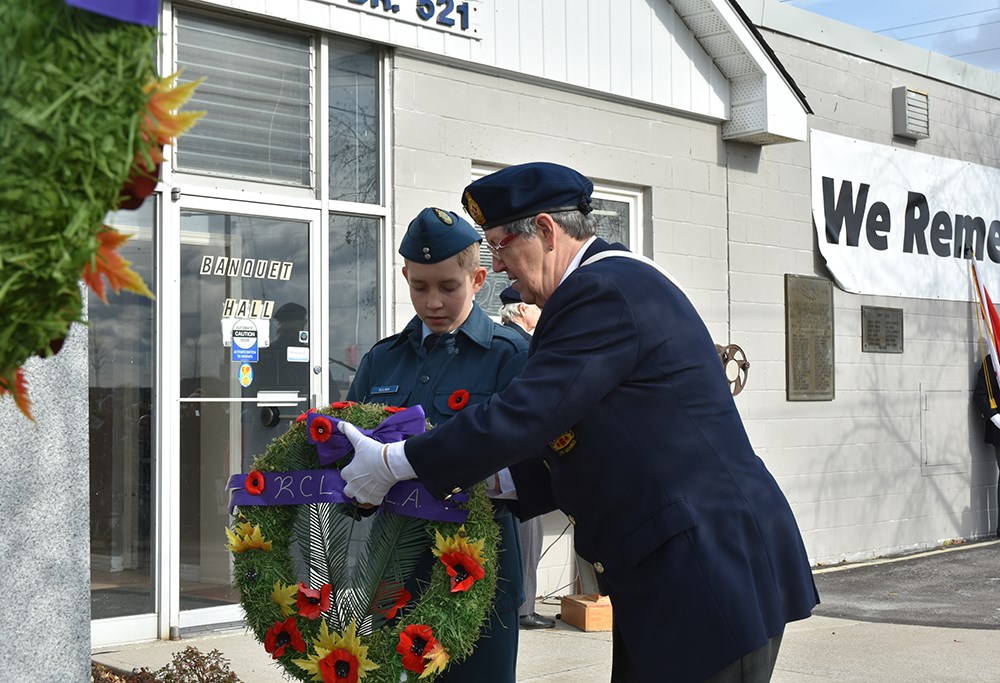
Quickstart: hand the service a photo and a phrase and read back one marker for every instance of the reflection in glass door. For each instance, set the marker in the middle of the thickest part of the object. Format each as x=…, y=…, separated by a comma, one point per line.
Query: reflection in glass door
x=120, y=339
x=244, y=372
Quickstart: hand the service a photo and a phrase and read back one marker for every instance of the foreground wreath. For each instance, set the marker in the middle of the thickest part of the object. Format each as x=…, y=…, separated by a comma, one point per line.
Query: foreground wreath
x=325, y=618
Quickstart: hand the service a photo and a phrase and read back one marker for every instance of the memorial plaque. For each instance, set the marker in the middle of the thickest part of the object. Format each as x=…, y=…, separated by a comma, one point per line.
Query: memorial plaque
x=881, y=329
x=809, y=371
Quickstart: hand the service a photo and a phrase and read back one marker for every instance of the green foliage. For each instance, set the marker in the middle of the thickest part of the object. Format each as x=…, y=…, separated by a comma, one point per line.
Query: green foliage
x=395, y=545
x=70, y=102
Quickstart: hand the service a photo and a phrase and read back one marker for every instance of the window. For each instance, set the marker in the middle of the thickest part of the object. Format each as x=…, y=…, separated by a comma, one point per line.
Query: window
x=256, y=97
x=354, y=123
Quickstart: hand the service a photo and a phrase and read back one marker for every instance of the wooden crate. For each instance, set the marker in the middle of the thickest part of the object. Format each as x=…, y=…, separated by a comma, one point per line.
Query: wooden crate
x=587, y=612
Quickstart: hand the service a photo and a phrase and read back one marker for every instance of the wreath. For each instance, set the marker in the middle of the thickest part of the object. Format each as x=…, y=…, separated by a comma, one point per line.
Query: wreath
x=83, y=123
x=323, y=619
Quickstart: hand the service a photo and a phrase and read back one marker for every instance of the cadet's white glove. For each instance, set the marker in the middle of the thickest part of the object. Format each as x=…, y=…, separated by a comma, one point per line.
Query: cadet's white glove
x=995, y=419
x=368, y=478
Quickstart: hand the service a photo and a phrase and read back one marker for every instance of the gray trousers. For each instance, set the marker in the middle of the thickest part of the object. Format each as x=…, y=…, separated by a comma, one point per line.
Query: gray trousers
x=531, y=550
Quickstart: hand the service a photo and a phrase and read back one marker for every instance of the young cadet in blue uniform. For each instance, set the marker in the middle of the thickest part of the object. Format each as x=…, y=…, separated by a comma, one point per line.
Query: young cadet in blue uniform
x=688, y=532
x=452, y=345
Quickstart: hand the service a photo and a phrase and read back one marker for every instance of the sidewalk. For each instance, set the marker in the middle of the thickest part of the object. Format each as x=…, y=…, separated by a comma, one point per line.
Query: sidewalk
x=818, y=649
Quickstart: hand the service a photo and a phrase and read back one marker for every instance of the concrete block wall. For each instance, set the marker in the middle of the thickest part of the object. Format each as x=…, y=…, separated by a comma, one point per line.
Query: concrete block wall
x=446, y=119
x=869, y=472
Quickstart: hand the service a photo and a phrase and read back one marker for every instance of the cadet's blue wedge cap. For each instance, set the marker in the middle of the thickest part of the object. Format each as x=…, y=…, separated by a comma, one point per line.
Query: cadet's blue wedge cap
x=436, y=234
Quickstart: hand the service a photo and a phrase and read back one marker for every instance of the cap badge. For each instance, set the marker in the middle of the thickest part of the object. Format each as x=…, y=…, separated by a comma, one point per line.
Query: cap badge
x=444, y=217
x=473, y=208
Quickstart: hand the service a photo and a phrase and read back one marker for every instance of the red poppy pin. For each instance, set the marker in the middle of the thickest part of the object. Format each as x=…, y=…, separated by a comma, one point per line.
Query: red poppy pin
x=458, y=399
x=254, y=483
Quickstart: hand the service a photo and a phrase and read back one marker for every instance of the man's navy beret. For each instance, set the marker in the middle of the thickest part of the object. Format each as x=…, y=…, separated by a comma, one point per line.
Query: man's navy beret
x=526, y=190
x=436, y=234
x=510, y=296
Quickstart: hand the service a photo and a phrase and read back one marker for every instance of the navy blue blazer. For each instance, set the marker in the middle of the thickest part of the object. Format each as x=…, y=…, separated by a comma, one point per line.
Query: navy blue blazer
x=645, y=451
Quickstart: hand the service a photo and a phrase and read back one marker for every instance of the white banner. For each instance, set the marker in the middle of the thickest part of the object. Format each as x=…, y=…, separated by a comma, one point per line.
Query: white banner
x=895, y=222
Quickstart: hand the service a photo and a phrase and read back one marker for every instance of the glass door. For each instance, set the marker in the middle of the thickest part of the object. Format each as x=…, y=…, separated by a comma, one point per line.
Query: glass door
x=246, y=348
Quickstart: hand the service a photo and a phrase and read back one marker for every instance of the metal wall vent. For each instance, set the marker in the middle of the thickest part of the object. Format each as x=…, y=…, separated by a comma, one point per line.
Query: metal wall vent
x=910, y=114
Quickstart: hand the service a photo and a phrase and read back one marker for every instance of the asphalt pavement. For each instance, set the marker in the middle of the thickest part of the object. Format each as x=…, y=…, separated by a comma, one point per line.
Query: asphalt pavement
x=931, y=617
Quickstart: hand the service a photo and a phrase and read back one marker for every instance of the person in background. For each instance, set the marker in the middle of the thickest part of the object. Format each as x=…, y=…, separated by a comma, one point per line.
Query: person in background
x=622, y=419
x=522, y=318
x=987, y=398
x=450, y=346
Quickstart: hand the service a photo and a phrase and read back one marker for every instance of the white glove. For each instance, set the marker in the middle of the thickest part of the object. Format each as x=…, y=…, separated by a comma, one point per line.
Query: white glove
x=995, y=419
x=367, y=478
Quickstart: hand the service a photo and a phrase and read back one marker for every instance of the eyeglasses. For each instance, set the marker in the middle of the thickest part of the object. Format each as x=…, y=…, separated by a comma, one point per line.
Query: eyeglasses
x=501, y=245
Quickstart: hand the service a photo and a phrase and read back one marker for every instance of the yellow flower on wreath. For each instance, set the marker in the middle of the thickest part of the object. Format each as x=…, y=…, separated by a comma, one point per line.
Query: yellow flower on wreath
x=285, y=598
x=246, y=537
x=339, y=657
x=459, y=543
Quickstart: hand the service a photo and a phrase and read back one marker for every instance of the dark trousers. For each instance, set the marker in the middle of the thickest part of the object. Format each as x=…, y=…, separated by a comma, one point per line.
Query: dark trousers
x=996, y=453
x=755, y=667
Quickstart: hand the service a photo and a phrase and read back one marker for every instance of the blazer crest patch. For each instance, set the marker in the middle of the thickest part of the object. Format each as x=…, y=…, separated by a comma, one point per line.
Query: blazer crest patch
x=564, y=443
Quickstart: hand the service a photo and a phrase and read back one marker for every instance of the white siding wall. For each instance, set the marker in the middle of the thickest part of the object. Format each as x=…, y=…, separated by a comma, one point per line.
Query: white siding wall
x=630, y=48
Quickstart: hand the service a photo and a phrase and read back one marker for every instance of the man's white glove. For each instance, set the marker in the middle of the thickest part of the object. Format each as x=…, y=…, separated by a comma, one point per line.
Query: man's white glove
x=995, y=419
x=368, y=477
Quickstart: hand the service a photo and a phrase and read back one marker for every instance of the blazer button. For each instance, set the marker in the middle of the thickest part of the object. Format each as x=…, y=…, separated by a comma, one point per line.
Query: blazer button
x=572, y=519
x=424, y=379
x=598, y=567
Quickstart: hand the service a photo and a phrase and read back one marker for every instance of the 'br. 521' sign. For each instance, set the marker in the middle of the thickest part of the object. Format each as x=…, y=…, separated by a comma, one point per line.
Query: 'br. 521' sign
x=443, y=15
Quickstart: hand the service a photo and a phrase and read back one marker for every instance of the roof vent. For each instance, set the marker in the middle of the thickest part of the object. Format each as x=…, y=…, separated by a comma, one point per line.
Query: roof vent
x=910, y=115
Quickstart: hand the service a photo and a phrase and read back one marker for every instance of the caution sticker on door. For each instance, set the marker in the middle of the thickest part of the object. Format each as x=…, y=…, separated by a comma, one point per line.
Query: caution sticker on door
x=245, y=349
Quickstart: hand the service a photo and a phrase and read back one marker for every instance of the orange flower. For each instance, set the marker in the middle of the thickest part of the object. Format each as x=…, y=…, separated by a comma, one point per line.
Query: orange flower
x=18, y=387
x=109, y=263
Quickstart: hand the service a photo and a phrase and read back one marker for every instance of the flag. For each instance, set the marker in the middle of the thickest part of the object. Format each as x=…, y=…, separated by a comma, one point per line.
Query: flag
x=989, y=318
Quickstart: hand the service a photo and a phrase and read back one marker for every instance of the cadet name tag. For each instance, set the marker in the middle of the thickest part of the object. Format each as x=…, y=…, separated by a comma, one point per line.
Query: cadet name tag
x=386, y=389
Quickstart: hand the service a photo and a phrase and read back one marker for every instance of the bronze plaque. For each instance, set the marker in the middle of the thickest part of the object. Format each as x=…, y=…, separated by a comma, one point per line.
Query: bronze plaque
x=881, y=329
x=808, y=338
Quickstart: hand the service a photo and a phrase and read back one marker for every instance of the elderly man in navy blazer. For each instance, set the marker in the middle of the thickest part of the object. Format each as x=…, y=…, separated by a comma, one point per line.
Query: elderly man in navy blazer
x=623, y=419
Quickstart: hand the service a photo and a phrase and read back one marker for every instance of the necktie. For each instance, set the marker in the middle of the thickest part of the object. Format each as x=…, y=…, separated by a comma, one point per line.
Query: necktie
x=430, y=341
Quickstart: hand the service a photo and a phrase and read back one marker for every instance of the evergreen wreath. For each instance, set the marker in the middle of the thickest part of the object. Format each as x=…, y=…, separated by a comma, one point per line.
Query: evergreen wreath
x=336, y=627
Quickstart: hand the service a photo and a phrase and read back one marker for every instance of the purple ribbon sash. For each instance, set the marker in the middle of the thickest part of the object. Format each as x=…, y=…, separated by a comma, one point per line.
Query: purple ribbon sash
x=410, y=498
x=396, y=427
x=144, y=12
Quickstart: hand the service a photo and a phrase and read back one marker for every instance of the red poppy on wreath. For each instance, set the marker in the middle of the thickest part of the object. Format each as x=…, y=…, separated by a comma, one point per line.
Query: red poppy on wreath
x=340, y=405
x=281, y=635
x=463, y=570
x=401, y=602
x=312, y=602
x=303, y=416
x=414, y=641
x=254, y=483
x=394, y=409
x=340, y=666
x=458, y=399
x=320, y=429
